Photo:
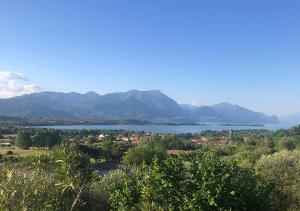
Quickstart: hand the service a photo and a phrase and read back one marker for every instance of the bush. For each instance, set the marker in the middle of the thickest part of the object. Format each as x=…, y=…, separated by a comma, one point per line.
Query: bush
x=96, y=195
x=53, y=182
x=30, y=191
x=9, y=152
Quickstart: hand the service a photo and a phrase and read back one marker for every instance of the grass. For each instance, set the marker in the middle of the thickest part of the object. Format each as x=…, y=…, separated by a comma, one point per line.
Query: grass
x=22, y=152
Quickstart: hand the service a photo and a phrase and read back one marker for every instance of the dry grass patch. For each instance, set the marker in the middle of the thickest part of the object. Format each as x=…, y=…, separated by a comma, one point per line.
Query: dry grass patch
x=22, y=152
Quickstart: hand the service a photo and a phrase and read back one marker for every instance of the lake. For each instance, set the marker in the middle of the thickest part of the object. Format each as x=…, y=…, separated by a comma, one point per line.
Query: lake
x=170, y=128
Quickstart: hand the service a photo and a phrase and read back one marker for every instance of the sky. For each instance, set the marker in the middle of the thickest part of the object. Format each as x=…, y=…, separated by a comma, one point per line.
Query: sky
x=199, y=52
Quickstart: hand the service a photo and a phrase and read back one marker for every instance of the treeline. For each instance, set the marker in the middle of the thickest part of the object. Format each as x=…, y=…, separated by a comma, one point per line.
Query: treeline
x=36, y=121
x=42, y=138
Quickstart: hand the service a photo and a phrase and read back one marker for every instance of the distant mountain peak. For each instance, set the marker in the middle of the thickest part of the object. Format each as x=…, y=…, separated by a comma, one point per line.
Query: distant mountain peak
x=92, y=93
x=146, y=91
x=226, y=105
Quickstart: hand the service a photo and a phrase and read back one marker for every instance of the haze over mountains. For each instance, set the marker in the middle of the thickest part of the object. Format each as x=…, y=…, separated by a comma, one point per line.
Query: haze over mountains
x=292, y=119
x=138, y=105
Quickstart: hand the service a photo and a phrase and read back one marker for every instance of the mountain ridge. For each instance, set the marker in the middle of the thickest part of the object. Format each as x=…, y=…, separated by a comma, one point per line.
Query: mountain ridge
x=133, y=104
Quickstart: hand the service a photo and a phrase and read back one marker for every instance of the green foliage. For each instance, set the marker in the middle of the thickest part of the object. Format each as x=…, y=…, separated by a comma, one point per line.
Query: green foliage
x=96, y=196
x=23, y=140
x=111, y=151
x=213, y=184
x=170, y=142
x=21, y=190
x=143, y=153
x=106, y=147
x=91, y=140
x=124, y=194
x=67, y=164
x=90, y=150
x=200, y=182
x=162, y=183
x=46, y=138
x=283, y=170
x=250, y=173
x=287, y=143
x=53, y=182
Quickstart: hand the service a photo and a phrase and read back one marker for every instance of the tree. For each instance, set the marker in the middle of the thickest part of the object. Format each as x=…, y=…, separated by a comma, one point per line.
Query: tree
x=143, y=153
x=91, y=140
x=46, y=138
x=124, y=194
x=282, y=169
x=288, y=143
x=162, y=183
x=106, y=147
x=23, y=140
x=213, y=184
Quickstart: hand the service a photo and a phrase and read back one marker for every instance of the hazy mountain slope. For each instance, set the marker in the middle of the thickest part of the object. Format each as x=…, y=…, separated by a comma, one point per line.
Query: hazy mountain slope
x=291, y=119
x=238, y=114
x=228, y=113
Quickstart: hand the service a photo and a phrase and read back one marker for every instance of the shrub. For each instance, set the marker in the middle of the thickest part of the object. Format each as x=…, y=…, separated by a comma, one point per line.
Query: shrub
x=9, y=152
x=96, y=195
x=53, y=182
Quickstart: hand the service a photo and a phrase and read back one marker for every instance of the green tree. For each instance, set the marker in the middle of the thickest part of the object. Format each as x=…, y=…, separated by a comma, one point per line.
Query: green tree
x=213, y=184
x=46, y=138
x=162, y=183
x=91, y=140
x=23, y=140
x=106, y=147
x=143, y=153
x=283, y=170
x=124, y=194
x=288, y=143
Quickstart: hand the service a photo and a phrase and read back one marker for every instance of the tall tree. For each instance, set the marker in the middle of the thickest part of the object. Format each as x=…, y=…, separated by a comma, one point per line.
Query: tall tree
x=23, y=140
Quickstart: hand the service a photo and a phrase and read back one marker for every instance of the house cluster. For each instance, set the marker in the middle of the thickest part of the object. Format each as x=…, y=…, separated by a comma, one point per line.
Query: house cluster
x=132, y=138
x=222, y=141
x=5, y=144
x=201, y=140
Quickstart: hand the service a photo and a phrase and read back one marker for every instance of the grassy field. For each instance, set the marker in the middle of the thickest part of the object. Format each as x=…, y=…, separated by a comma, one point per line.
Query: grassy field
x=22, y=152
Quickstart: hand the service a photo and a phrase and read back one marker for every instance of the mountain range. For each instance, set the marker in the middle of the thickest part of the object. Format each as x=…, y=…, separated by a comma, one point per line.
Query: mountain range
x=139, y=105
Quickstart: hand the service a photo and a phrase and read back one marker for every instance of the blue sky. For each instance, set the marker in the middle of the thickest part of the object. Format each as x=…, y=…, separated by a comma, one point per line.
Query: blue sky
x=201, y=52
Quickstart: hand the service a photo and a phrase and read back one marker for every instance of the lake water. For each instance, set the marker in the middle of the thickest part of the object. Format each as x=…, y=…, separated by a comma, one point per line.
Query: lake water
x=172, y=128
